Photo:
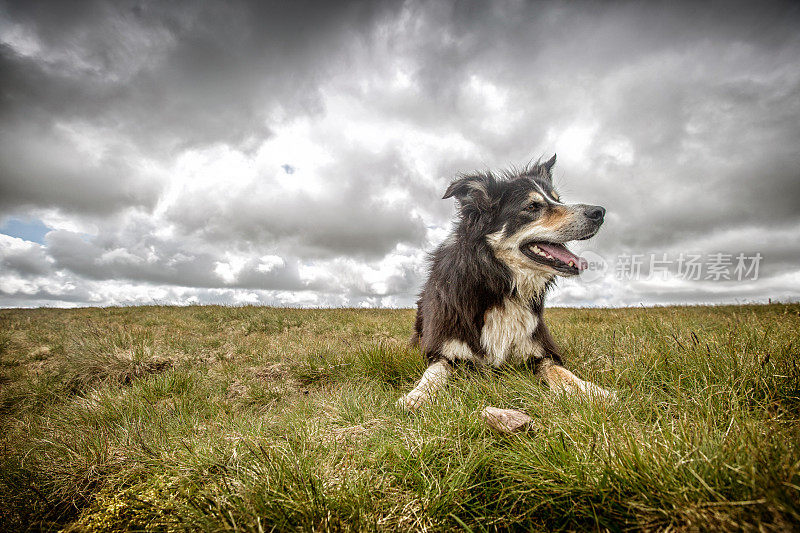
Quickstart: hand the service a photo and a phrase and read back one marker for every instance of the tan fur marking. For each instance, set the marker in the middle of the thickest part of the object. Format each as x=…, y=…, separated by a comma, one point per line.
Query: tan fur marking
x=555, y=218
x=561, y=381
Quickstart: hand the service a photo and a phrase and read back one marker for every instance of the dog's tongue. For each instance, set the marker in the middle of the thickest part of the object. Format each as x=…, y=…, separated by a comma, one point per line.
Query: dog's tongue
x=560, y=252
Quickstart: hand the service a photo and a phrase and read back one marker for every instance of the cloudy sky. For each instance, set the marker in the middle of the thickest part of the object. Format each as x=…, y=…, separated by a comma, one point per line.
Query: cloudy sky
x=295, y=153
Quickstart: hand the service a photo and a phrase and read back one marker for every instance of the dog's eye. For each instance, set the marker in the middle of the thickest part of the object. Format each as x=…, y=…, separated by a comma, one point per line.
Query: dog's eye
x=533, y=206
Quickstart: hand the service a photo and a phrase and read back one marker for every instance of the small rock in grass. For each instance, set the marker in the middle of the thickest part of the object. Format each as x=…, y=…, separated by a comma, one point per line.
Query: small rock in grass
x=506, y=420
x=39, y=353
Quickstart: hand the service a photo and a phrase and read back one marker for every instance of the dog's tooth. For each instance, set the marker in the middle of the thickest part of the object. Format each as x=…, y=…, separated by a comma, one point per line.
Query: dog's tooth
x=549, y=256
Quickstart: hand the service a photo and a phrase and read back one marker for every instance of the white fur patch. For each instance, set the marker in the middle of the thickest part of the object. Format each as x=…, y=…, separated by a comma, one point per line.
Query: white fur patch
x=507, y=334
x=454, y=350
x=528, y=282
x=434, y=377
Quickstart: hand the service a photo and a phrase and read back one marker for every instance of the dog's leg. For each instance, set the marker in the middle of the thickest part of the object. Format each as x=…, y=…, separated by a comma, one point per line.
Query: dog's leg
x=434, y=378
x=560, y=380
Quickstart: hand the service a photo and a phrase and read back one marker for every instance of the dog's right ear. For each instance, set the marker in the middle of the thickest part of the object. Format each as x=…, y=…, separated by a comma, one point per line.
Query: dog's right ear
x=470, y=190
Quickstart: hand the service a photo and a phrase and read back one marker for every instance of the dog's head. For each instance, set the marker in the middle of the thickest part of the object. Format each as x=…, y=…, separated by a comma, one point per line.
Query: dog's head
x=524, y=220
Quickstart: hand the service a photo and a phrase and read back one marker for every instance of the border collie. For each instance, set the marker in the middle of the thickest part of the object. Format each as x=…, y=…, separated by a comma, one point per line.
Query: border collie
x=483, y=300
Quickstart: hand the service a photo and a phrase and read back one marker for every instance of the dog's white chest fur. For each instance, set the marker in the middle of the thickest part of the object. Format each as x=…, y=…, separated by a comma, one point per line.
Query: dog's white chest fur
x=507, y=334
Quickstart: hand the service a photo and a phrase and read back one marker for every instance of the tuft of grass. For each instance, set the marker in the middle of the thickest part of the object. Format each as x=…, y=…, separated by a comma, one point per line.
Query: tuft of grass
x=253, y=419
x=118, y=354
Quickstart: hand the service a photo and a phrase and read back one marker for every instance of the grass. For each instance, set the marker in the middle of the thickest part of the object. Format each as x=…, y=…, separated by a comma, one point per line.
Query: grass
x=259, y=419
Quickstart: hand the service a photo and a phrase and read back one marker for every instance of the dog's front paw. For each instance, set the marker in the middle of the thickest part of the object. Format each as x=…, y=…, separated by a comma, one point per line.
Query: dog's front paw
x=598, y=392
x=412, y=400
x=587, y=389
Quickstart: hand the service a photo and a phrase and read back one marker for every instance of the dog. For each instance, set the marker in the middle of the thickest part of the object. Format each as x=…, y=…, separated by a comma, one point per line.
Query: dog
x=484, y=297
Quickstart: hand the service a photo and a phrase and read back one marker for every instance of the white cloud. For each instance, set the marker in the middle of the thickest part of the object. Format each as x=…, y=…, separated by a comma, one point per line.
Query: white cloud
x=270, y=262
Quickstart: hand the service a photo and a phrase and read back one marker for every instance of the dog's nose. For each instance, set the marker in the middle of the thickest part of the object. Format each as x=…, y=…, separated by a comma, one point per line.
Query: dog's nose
x=594, y=212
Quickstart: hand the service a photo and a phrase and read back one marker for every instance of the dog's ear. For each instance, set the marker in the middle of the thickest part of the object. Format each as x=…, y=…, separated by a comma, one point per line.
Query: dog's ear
x=549, y=164
x=470, y=190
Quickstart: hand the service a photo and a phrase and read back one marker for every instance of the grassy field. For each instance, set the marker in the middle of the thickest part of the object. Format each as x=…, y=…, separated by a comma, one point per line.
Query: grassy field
x=259, y=419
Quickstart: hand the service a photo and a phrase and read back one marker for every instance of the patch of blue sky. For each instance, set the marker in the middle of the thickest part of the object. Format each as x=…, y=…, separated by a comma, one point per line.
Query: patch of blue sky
x=29, y=229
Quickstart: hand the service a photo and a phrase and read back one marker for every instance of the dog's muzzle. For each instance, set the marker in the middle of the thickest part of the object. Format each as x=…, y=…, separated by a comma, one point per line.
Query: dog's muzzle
x=593, y=216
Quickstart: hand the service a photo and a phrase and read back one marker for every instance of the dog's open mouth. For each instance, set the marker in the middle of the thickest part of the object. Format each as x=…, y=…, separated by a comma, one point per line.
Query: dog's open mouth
x=554, y=255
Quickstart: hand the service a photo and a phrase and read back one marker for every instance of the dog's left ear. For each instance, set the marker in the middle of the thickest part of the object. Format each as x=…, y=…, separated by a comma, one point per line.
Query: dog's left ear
x=470, y=190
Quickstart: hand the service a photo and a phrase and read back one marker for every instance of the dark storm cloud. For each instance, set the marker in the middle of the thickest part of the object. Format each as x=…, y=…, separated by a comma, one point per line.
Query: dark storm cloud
x=158, y=76
x=682, y=119
x=185, y=73
x=43, y=168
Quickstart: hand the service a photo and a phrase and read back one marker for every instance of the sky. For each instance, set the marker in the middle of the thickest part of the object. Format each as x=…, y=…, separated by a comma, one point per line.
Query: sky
x=296, y=153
